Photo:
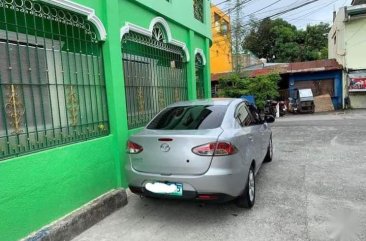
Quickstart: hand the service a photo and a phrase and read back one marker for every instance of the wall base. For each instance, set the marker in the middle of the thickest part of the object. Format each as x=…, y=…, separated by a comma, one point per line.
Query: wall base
x=358, y=100
x=80, y=220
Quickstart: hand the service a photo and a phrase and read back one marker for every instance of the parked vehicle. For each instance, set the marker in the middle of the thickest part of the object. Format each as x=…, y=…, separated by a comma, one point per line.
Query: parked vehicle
x=283, y=108
x=292, y=105
x=304, y=101
x=208, y=150
x=270, y=108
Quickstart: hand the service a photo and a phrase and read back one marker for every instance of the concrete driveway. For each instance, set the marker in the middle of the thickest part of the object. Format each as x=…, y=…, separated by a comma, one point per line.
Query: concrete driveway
x=315, y=189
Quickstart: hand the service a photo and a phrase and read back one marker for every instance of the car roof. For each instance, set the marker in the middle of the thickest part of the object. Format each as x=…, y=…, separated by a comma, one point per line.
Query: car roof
x=213, y=101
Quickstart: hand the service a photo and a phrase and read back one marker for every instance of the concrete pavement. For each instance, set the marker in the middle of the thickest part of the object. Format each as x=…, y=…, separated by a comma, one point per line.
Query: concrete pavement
x=315, y=189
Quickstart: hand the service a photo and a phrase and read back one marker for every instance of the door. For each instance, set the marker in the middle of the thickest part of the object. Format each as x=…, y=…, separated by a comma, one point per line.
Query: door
x=263, y=132
x=318, y=87
x=250, y=134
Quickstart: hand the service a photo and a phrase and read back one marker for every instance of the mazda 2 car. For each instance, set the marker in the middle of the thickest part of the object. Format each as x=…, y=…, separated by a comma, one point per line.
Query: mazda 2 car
x=205, y=150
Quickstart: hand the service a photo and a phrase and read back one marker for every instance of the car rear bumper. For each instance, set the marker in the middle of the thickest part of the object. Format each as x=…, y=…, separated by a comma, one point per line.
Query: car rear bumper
x=221, y=182
x=187, y=195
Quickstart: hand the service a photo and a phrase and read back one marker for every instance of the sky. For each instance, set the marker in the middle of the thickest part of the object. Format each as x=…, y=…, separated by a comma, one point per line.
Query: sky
x=319, y=11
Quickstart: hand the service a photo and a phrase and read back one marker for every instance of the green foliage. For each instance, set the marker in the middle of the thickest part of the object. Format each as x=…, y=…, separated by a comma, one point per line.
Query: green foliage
x=279, y=41
x=262, y=87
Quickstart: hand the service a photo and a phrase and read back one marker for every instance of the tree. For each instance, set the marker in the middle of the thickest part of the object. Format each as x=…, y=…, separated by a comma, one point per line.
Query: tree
x=316, y=41
x=279, y=41
x=262, y=87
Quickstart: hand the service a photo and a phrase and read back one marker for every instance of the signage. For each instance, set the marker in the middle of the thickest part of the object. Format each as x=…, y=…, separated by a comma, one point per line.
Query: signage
x=357, y=84
x=357, y=81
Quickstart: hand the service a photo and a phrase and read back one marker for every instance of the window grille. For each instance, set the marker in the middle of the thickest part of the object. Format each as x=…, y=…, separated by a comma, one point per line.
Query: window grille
x=155, y=75
x=200, y=88
x=51, y=78
x=198, y=9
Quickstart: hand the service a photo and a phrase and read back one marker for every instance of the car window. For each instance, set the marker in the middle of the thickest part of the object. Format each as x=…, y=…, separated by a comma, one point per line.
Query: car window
x=243, y=115
x=255, y=115
x=195, y=117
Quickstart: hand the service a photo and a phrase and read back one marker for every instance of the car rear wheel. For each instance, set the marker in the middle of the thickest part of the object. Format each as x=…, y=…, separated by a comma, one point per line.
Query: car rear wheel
x=247, y=199
x=269, y=154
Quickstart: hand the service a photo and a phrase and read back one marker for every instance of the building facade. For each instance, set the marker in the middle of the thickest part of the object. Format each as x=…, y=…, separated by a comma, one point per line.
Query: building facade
x=77, y=78
x=347, y=45
x=221, y=59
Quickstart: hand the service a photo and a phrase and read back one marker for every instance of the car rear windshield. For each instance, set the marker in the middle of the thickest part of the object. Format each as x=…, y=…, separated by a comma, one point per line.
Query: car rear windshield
x=197, y=117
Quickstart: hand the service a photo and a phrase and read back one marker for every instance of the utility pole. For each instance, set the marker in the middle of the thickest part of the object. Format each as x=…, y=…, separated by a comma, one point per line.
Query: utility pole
x=237, y=33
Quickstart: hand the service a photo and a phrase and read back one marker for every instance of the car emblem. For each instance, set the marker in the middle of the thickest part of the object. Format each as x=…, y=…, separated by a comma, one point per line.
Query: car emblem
x=164, y=147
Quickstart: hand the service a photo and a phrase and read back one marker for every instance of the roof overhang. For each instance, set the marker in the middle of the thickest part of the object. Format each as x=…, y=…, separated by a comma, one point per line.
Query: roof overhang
x=355, y=12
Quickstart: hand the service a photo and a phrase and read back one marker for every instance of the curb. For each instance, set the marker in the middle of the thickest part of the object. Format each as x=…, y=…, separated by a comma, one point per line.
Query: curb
x=73, y=224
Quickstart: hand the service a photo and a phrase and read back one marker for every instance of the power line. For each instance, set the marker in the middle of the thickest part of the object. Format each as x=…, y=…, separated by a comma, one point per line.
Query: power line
x=237, y=5
x=292, y=9
x=226, y=12
x=279, y=13
x=272, y=10
x=265, y=7
x=311, y=12
x=221, y=2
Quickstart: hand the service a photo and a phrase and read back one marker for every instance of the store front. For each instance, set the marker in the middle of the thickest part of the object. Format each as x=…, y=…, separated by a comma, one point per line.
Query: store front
x=357, y=89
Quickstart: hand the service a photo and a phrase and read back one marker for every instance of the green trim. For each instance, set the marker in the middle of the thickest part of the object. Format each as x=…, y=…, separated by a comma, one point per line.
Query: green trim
x=191, y=73
x=207, y=73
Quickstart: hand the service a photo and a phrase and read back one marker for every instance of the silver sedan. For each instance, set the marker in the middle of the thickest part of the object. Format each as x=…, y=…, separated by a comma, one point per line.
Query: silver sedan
x=209, y=150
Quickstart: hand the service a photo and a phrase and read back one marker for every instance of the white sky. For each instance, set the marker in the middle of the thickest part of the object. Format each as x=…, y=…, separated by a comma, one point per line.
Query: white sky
x=320, y=11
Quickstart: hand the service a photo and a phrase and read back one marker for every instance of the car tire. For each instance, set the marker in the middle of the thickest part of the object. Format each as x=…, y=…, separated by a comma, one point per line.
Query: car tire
x=269, y=155
x=247, y=199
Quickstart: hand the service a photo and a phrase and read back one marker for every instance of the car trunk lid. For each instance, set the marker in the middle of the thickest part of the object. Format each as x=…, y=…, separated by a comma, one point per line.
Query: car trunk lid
x=169, y=152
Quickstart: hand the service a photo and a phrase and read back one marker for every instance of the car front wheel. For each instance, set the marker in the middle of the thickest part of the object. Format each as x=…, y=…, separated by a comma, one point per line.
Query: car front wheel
x=247, y=199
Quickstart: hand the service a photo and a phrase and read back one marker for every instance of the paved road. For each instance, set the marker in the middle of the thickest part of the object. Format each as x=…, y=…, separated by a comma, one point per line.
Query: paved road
x=315, y=189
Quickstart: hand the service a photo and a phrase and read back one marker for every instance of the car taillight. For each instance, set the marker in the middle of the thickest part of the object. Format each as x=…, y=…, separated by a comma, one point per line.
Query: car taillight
x=215, y=149
x=133, y=148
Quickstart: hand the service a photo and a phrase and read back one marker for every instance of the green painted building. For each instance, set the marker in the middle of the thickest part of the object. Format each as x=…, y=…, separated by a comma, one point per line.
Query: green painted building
x=77, y=78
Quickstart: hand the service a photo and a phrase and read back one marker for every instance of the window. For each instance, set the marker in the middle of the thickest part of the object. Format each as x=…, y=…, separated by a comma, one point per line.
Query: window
x=155, y=75
x=197, y=117
x=198, y=9
x=224, y=27
x=51, y=78
x=221, y=25
x=217, y=19
x=200, y=85
x=243, y=116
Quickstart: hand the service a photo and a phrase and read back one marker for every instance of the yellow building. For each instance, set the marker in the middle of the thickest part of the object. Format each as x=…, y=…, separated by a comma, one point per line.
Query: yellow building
x=221, y=59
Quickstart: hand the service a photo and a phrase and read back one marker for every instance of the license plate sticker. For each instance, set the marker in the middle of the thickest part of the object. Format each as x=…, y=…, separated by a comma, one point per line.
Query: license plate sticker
x=174, y=189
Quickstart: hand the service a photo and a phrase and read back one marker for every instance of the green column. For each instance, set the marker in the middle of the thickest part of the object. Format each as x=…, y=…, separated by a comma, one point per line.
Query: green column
x=115, y=87
x=191, y=76
x=207, y=72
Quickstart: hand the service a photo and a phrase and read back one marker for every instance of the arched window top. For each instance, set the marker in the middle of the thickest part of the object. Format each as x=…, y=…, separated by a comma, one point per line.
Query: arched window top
x=45, y=11
x=199, y=60
x=148, y=32
x=200, y=57
x=159, y=34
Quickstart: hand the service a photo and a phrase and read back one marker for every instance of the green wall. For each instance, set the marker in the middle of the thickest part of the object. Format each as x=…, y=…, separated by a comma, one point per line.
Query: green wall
x=39, y=188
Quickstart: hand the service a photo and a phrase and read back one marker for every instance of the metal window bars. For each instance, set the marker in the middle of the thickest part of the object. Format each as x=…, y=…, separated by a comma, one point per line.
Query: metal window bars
x=155, y=76
x=198, y=9
x=51, y=77
x=200, y=85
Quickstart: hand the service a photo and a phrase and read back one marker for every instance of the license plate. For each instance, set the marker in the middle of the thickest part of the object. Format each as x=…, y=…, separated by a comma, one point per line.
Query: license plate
x=174, y=189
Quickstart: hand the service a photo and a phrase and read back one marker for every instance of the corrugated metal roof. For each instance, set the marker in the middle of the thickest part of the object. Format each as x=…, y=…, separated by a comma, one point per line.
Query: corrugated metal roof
x=314, y=66
x=217, y=76
x=259, y=72
x=291, y=68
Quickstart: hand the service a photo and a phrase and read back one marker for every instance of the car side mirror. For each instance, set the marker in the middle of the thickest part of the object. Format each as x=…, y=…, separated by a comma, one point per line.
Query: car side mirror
x=269, y=119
